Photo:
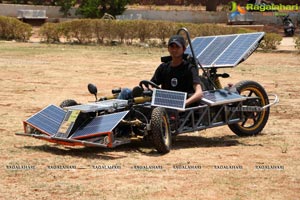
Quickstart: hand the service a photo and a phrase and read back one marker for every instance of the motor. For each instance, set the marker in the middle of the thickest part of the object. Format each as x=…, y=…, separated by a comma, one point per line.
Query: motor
x=288, y=26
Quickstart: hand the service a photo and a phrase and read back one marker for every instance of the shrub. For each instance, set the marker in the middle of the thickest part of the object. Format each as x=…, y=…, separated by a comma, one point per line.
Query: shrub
x=164, y=30
x=144, y=29
x=152, y=32
x=99, y=30
x=271, y=41
x=13, y=29
x=50, y=32
x=78, y=31
x=297, y=42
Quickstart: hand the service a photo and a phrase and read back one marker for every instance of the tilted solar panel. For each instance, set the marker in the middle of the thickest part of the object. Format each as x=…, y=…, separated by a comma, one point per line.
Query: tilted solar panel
x=239, y=50
x=225, y=50
x=101, y=124
x=217, y=97
x=168, y=99
x=48, y=120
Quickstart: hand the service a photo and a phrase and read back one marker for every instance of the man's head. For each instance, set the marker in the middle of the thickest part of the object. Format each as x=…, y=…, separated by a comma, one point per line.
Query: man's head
x=178, y=40
x=176, y=46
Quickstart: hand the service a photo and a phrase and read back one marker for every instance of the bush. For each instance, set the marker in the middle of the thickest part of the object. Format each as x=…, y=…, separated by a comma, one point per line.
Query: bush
x=271, y=41
x=101, y=31
x=297, y=42
x=50, y=32
x=13, y=29
x=164, y=30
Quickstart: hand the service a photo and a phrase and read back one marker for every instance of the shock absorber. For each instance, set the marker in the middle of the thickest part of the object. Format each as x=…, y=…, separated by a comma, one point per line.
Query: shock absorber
x=218, y=83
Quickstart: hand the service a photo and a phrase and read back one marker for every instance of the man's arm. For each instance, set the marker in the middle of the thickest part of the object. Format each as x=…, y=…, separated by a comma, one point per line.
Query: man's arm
x=196, y=96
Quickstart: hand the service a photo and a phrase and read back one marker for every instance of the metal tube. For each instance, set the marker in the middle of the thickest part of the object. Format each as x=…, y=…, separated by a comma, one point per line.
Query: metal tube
x=196, y=62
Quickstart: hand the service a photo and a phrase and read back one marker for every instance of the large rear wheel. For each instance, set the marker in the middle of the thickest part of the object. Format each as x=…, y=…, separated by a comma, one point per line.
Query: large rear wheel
x=160, y=129
x=254, y=120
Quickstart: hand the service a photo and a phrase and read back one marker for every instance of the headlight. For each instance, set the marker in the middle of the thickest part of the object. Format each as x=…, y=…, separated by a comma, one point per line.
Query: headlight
x=28, y=129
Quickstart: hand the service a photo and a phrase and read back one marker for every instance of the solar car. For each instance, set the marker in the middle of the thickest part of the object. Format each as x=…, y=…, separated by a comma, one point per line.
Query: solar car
x=158, y=115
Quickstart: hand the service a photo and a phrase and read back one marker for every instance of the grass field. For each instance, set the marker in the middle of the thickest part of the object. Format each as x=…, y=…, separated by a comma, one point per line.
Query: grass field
x=34, y=75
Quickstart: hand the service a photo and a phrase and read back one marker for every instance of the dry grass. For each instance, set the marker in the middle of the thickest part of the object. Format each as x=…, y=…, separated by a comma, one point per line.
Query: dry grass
x=35, y=75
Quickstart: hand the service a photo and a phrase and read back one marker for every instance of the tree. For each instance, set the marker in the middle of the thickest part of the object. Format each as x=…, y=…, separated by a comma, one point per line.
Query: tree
x=211, y=5
x=89, y=9
x=97, y=8
x=65, y=6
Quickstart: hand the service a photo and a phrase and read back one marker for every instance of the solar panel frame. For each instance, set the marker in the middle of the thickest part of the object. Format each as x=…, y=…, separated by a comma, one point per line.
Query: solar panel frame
x=225, y=50
x=168, y=99
x=47, y=120
x=99, y=125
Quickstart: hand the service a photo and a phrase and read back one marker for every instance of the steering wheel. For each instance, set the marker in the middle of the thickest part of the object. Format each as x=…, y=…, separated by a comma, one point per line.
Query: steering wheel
x=146, y=83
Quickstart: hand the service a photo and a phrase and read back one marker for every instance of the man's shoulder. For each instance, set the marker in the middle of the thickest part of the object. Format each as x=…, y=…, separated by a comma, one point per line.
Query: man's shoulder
x=164, y=66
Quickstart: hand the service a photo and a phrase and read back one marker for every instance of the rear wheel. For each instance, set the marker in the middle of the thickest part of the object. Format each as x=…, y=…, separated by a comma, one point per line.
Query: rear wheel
x=160, y=129
x=254, y=121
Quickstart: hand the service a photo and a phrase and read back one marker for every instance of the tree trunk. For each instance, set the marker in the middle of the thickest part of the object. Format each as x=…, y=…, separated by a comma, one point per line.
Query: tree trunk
x=211, y=5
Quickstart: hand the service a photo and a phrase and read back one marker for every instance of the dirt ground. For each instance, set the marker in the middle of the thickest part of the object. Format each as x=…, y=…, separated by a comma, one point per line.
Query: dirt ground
x=221, y=164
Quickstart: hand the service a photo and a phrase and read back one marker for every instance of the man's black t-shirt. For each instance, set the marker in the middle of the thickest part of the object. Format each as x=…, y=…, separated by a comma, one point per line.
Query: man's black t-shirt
x=180, y=78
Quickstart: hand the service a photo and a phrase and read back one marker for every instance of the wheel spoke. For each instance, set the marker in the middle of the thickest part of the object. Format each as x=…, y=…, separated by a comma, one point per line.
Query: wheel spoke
x=254, y=119
x=250, y=93
x=244, y=122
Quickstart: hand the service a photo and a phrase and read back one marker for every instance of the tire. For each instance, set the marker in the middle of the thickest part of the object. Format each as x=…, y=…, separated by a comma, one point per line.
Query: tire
x=160, y=129
x=254, y=121
x=68, y=102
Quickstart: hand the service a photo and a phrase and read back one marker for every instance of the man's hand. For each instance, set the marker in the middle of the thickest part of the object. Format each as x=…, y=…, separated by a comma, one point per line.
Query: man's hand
x=196, y=96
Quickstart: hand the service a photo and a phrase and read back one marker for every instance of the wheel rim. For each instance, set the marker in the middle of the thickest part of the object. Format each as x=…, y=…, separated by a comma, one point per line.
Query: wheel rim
x=165, y=130
x=253, y=119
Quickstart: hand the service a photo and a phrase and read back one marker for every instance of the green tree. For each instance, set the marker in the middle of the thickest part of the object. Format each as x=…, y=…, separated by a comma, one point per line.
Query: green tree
x=65, y=6
x=89, y=9
x=97, y=8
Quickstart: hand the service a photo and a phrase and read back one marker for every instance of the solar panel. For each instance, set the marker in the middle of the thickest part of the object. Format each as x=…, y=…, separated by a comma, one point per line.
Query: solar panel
x=48, y=120
x=225, y=50
x=100, y=105
x=67, y=124
x=101, y=124
x=168, y=99
x=217, y=97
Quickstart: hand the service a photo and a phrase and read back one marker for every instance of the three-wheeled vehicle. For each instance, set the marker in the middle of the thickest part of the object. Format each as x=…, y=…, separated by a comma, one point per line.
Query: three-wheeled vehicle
x=158, y=115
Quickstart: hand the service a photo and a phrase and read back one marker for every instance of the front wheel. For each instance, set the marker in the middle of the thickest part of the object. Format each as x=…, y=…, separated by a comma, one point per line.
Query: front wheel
x=254, y=121
x=160, y=129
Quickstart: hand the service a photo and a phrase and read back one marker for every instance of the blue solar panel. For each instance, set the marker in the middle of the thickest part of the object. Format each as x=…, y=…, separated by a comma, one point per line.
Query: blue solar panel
x=237, y=50
x=48, y=120
x=225, y=50
x=101, y=124
x=168, y=99
x=217, y=97
x=215, y=49
x=199, y=45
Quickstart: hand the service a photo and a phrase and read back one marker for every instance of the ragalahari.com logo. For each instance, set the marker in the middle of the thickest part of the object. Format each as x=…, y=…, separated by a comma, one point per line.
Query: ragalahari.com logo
x=236, y=10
